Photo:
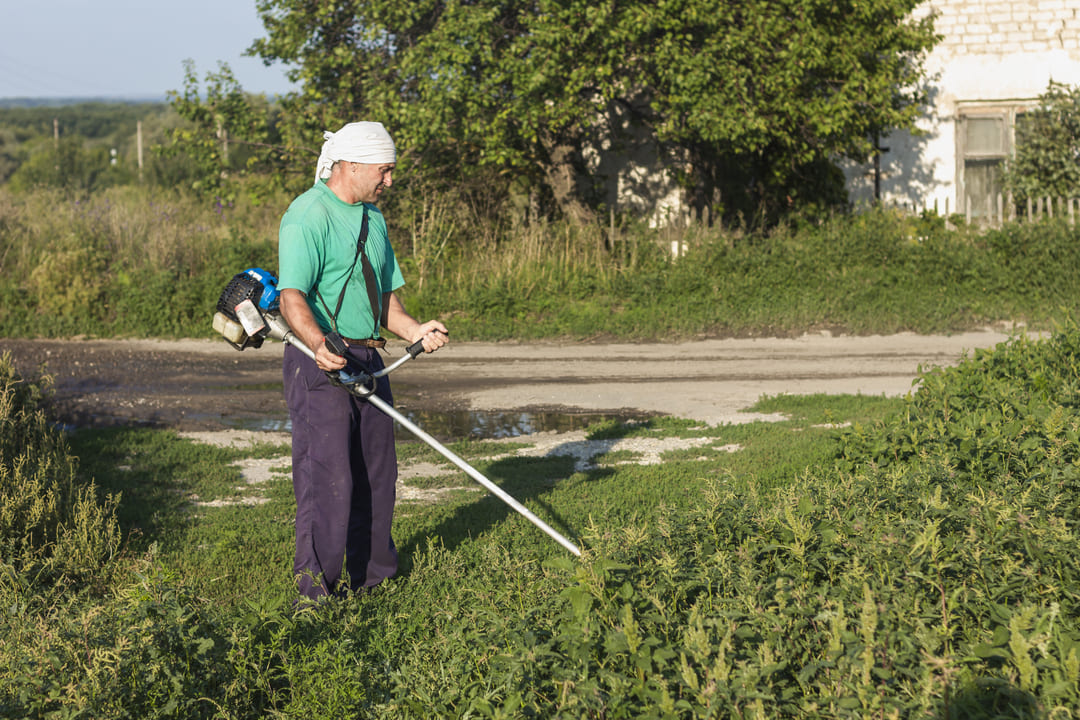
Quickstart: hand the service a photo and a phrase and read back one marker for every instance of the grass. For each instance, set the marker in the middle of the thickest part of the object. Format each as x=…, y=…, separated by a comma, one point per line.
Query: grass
x=866, y=557
x=166, y=483
x=152, y=263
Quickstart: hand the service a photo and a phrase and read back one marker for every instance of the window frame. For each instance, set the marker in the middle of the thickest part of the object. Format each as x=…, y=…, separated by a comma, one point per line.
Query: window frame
x=1005, y=110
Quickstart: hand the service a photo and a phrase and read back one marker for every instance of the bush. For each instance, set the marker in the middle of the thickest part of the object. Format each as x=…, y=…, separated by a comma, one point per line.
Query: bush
x=53, y=526
x=932, y=572
x=1047, y=143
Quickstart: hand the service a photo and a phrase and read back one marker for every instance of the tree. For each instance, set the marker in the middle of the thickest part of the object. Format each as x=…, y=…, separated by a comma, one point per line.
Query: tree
x=755, y=97
x=226, y=132
x=1047, y=162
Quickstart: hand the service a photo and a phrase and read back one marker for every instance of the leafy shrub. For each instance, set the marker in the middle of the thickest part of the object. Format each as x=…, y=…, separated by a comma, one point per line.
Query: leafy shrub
x=67, y=165
x=1047, y=142
x=1007, y=412
x=931, y=573
x=845, y=596
x=53, y=527
x=68, y=283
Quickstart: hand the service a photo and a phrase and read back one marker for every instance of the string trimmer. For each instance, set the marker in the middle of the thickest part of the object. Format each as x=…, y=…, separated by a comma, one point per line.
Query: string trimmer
x=248, y=312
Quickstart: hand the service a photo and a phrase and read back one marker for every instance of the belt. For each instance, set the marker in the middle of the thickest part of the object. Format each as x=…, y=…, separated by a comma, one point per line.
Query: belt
x=367, y=342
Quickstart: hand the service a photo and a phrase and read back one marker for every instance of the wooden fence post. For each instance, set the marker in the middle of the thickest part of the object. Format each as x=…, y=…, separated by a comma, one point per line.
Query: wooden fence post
x=138, y=145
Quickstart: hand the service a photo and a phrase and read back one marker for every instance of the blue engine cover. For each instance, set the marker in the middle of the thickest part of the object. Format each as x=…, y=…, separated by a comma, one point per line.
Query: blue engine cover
x=268, y=300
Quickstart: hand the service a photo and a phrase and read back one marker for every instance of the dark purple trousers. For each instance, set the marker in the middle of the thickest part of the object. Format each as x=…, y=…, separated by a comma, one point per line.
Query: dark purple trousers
x=344, y=477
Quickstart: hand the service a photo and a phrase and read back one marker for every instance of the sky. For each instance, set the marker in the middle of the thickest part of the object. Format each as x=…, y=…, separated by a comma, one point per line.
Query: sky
x=129, y=49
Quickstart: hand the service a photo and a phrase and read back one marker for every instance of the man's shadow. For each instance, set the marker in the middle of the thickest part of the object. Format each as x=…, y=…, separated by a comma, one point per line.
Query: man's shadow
x=528, y=480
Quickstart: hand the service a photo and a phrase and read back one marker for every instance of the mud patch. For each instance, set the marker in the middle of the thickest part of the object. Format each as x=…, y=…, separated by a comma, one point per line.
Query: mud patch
x=207, y=385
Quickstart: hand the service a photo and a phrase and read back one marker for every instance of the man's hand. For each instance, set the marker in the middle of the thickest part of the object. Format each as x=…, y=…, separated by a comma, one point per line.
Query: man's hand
x=336, y=347
x=433, y=335
x=327, y=360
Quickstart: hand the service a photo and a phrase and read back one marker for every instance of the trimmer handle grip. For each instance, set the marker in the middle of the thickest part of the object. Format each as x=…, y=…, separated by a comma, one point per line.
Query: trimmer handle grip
x=335, y=343
x=417, y=347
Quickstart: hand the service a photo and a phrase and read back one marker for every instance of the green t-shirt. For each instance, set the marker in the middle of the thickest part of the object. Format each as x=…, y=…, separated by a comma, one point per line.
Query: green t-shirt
x=316, y=247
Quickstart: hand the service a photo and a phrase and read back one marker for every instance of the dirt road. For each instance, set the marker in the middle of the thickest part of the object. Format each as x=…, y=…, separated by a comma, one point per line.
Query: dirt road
x=207, y=385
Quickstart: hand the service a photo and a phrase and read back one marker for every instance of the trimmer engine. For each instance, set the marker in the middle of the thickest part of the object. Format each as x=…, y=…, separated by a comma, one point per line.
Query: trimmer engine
x=247, y=311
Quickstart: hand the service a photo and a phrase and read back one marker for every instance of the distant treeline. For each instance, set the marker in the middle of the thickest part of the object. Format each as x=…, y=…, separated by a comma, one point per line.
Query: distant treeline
x=54, y=102
x=91, y=120
x=85, y=146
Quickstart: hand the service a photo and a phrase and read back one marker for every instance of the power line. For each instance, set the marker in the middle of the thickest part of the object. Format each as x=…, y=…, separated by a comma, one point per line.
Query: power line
x=21, y=78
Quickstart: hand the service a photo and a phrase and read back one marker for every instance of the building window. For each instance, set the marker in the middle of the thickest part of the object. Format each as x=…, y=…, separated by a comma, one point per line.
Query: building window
x=984, y=148
x=985, y=142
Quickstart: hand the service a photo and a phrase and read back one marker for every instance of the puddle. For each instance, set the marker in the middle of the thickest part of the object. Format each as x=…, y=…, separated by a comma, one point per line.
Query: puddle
x=477, y=425
x=458, y=424
x=465, y=424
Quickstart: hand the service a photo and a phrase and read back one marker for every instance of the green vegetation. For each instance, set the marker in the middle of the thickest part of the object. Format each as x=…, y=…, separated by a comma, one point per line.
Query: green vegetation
x=1047, y=144
x=87, y=147
x=867, y=558
x=125, y=261
x=748, y=103
x=133, y=261
x=921, y=560
x=86, y=249
x=53, y=527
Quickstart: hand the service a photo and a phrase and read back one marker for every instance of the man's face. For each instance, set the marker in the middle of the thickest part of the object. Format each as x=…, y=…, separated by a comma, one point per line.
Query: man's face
x=368, y=181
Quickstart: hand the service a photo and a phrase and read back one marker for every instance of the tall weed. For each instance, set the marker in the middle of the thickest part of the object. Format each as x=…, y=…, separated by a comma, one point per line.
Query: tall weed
x=53, y=526
x=127, y=261
x=135, y=261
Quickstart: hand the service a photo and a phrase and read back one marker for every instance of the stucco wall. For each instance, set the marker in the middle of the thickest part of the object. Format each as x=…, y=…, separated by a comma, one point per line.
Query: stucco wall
x=993, y=52
x=634, y=173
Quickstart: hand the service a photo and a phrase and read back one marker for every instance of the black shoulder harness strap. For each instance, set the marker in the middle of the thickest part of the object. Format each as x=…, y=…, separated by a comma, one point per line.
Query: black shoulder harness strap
x=369, y=282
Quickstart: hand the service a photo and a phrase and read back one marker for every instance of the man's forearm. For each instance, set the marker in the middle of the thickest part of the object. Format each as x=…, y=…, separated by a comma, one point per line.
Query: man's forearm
x=295, y=310
x=433, y=333
x=297, y=314
x=399, y=321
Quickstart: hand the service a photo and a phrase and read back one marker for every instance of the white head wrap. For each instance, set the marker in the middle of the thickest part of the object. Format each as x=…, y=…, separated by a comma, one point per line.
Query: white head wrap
x=359, y=142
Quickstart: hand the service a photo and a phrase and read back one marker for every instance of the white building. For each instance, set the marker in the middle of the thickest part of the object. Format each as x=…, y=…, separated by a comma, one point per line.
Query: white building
x=996, y=58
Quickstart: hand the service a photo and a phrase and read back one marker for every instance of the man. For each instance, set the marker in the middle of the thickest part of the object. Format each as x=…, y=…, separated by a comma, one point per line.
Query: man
x=344, y=461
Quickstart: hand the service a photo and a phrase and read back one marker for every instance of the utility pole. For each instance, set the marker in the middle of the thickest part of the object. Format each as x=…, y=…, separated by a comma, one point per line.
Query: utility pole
x=223, y=137
x=878, y=151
